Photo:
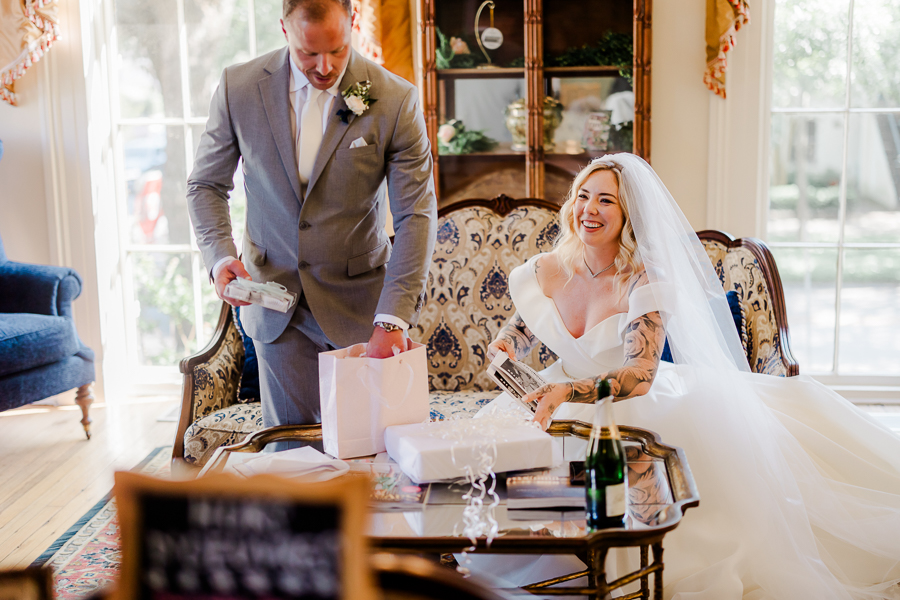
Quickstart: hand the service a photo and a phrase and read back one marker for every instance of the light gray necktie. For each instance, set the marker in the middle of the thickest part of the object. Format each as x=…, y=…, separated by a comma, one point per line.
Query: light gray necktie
x=310, y=133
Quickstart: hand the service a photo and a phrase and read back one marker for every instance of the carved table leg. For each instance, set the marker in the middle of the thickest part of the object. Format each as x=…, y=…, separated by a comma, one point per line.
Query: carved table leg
x=645, y=580
x=658, y=576
x=598, y=563
x=84, y=397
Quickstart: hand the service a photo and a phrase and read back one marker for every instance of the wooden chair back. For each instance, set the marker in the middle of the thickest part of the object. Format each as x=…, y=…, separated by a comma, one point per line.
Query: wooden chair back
x=746, y=265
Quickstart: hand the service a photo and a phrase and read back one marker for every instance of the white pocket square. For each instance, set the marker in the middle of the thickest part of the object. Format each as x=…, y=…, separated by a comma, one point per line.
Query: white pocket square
x=358, y=143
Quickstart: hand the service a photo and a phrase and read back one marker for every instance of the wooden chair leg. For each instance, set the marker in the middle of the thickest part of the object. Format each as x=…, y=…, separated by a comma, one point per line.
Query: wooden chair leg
x=84, y=398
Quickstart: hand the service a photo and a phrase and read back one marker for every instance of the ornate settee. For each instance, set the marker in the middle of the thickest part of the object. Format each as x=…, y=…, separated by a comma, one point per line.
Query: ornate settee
x=478, y=243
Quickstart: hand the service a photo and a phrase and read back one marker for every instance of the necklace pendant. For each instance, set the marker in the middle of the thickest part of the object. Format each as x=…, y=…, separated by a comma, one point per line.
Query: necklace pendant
x=588, y=267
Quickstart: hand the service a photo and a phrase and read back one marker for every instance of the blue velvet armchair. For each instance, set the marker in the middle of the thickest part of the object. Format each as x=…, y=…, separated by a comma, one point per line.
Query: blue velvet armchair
x=40, y=352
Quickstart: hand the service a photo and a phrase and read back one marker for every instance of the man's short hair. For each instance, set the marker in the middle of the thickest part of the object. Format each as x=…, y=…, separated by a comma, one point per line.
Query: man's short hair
x=314, y=10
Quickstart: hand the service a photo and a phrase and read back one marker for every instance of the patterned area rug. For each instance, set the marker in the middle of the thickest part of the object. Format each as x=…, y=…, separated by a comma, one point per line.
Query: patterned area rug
x=86, y=557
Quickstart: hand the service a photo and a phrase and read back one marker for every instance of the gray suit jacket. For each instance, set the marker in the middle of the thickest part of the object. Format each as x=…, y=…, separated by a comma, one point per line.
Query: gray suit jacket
x=330, y=244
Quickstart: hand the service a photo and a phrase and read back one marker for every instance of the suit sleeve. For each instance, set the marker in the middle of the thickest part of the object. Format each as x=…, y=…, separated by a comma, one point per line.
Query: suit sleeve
x=414, y=209
x=212, y=179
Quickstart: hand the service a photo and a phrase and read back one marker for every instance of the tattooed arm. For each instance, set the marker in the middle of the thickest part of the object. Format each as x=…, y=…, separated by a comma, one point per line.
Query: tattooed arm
x=515, y=339
x=644, y=341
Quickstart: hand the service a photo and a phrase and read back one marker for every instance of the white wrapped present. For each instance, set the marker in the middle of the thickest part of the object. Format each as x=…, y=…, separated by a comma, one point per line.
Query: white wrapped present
x=451, y=449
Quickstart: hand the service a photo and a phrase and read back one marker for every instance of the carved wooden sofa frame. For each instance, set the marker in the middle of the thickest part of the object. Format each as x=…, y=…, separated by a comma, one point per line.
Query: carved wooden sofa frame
x=479, y=242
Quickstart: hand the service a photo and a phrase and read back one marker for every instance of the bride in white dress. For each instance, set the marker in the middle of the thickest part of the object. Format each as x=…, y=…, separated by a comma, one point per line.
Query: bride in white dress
x=800, y=490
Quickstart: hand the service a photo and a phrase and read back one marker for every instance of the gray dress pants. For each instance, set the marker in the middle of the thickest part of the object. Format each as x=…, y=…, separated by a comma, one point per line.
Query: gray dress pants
x=289, y=373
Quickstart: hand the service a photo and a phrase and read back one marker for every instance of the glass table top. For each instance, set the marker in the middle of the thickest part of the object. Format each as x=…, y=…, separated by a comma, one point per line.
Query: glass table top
x=660, y=488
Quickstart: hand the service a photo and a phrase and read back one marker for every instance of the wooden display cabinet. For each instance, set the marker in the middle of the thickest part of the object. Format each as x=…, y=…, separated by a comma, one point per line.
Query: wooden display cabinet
x=538, y=35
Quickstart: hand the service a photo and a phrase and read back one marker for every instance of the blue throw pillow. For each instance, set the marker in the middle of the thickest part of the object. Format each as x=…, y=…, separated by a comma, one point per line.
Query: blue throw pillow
x=737, y=313
x=249, y=387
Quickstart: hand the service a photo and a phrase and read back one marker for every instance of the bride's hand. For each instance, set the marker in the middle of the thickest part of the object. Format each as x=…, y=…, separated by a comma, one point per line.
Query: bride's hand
x=500, y=345
x=548, y=398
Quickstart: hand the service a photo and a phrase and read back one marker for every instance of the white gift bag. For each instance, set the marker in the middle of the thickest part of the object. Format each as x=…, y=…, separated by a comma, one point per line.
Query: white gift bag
x=361, y=396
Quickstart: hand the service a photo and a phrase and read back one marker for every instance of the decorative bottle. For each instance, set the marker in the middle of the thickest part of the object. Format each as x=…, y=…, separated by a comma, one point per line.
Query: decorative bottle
x=605, y=475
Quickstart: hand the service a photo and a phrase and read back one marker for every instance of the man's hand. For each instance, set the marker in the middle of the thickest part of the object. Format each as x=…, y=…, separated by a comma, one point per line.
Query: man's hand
x=382, y=342
x=230, y=271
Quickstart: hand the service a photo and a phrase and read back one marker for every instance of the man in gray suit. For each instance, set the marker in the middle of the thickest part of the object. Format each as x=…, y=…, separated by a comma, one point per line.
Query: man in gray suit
x=314, y=174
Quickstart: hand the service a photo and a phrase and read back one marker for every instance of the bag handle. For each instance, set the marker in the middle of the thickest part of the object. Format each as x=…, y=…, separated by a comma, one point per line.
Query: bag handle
x=376, y=391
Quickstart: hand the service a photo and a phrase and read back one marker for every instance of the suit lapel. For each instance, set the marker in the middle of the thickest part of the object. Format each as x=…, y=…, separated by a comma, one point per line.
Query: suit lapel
x=336, y=128
x=277, y=104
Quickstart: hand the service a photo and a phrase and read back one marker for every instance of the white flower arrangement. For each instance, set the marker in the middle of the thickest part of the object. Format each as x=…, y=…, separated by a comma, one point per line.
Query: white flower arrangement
x=358, y=99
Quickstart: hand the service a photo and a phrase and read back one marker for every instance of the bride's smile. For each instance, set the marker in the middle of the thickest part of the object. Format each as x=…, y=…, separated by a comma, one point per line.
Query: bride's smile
x=598, y=214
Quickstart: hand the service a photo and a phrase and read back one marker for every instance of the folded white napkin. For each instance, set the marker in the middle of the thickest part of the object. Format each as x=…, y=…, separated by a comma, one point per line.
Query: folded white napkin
x=302, y=464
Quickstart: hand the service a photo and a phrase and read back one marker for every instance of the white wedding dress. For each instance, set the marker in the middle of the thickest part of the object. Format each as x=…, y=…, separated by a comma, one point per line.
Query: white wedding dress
x=824, y=522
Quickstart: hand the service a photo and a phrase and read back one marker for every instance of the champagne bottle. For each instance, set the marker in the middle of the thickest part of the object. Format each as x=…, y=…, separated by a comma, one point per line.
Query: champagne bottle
x=605, y=483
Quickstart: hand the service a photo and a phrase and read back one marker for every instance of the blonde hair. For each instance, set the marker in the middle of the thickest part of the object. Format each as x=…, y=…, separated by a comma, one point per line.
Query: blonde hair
x=570, y=249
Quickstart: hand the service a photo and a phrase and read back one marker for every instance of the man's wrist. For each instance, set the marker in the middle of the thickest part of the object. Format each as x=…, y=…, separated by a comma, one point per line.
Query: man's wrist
x=386, y=318
x=388, y=327
x=220, y=264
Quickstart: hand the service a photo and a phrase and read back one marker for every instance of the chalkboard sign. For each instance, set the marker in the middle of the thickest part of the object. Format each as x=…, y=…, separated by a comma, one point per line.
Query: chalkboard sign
x=227, y=537
x=27, y=584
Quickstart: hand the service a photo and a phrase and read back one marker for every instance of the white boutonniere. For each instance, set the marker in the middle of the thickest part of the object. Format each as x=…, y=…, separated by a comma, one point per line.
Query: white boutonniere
x=358, y=98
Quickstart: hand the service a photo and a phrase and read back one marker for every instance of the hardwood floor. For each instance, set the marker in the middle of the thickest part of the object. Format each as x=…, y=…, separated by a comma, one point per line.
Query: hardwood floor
x=50, y=474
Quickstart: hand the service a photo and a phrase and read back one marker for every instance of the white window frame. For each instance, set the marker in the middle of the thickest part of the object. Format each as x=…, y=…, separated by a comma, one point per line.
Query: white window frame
x=149, y=379
x=835, y=377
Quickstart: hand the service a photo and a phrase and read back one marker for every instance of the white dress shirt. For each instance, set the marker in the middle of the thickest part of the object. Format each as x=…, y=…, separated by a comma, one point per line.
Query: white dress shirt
x=299, y=92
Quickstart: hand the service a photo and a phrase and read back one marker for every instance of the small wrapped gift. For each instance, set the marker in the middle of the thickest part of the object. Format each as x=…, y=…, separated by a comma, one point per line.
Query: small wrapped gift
x=443, y=450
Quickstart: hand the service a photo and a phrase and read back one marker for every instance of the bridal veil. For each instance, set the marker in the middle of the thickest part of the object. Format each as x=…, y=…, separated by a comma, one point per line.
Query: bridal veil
x=788, y=509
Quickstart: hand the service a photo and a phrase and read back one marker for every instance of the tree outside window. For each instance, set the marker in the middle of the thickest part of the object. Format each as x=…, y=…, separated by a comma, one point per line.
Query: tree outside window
x=834, y=193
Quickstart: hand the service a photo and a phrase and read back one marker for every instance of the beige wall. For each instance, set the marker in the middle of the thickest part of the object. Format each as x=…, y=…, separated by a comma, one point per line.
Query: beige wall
x=680, y=103
x=23, y=205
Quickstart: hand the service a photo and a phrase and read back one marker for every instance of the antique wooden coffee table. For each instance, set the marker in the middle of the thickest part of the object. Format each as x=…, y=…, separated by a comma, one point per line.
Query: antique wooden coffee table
x=660, y=490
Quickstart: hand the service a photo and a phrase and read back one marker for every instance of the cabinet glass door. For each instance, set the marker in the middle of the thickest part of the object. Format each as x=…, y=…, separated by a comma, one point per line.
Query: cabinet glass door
x=589, y=86
x=481, y=150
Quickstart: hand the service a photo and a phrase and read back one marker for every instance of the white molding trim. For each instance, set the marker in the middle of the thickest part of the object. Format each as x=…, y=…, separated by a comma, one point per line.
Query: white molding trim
x=738, y=132
x=67, y=176
x=767, y=37
x=717, y=188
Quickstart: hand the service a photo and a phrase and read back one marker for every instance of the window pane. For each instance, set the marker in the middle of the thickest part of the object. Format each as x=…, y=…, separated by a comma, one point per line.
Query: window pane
x=869, y=316
x=875, y=78
x=810, y=54
x=149, y=78
x=165, y=299
x=809, y=277
x=211, y=305
x=804, y=177
x=238, y=199
x=218, y=36
x=155, y=180
x=873, y=178
x=269, y=35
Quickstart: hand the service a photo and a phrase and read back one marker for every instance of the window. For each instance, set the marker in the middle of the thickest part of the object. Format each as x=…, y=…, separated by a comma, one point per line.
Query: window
x=834, y=182
x=168, y=57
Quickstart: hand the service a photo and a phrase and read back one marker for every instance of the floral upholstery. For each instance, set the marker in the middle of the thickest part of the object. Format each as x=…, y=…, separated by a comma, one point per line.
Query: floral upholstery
x=216, y=382
x=223, y=427
x=466, y=296
x=739, y=270
x=467, y=302
x=446, y=406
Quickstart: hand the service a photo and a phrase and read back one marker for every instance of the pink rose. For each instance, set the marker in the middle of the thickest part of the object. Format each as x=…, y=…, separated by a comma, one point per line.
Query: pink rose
x=459, y=46
x=446, y=132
